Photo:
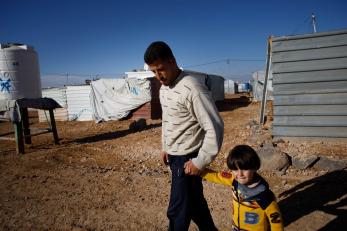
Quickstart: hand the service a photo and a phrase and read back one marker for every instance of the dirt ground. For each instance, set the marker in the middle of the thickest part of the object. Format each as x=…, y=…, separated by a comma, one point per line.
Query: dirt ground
x=108, y=177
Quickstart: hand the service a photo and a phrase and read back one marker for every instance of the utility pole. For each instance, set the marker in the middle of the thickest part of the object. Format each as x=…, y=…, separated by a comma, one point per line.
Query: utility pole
x=268, y=63
x=314, y=23
x=67, y=79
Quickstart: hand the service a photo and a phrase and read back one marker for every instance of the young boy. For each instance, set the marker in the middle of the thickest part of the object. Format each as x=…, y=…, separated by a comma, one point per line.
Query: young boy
x=254, y=205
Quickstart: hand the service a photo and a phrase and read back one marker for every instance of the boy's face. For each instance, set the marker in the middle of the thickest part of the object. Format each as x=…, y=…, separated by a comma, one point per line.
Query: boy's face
x=244, y=177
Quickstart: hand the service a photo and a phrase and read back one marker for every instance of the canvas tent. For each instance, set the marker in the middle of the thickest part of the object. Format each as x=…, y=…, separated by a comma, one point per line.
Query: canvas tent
x=215, y=83
x=102, y=100
x=113, y=99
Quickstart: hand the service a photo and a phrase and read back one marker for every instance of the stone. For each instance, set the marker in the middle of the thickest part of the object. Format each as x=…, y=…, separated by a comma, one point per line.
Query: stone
x=138, y=125
x=278, y=140
x=304, y=162
x=272, y=159
x=330, y=164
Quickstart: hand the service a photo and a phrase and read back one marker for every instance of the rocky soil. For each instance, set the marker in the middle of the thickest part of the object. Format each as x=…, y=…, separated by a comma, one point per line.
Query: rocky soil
x=109, y=176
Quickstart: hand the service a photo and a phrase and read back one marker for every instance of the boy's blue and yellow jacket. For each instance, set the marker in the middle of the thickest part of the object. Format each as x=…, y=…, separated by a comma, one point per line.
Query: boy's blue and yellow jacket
x=255, y=212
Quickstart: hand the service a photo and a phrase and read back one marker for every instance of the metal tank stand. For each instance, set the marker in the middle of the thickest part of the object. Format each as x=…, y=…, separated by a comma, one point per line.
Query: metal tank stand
x=19, y=116
x=23, y=132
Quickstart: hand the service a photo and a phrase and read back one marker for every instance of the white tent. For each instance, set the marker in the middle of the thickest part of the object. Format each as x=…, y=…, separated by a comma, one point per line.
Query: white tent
x=113, y=99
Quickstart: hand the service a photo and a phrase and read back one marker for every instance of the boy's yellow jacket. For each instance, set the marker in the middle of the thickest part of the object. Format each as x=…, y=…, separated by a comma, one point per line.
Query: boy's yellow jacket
x=258, y=212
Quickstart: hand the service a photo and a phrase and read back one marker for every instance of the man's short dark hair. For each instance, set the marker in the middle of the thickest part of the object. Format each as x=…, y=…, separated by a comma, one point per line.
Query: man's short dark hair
x=158, y=50
x=243, y=157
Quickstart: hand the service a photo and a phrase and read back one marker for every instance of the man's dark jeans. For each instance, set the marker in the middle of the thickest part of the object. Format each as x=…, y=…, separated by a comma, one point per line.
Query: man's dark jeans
x=187, y=201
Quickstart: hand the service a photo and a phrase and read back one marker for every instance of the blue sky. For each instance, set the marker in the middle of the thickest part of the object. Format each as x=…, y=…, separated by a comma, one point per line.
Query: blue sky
x=108, y=38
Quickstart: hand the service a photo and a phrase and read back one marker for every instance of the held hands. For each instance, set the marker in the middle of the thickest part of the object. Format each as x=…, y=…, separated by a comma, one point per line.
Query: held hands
x=191, y=169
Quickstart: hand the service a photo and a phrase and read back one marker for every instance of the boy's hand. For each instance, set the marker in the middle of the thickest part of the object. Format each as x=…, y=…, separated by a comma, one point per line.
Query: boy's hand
x=190, y=169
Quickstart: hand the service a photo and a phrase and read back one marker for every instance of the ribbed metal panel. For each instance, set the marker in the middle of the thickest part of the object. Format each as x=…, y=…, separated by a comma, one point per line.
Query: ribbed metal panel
x=310, y=88
x=310, y=41
x=310, y=85
x=311, y=99
x=311, y=76
x=307, y=110
x=229, y=86
x=309, y=65
x=317, y=53
x=59, y=95
x=328, y=132
x=78, y=102
x=314, y=121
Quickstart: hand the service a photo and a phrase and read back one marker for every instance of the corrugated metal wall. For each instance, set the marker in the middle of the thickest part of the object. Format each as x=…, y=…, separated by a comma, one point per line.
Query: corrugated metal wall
x=310, y=85
x=78, y=102
x=59, y=95
x=257, y=82
x=229, y=86
x=74, y=100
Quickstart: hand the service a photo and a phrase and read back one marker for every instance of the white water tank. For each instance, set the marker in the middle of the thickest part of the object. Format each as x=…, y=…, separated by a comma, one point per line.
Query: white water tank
x=19, y=72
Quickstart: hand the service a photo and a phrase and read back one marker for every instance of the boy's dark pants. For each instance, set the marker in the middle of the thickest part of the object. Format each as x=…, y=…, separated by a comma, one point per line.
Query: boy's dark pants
x=187, y=201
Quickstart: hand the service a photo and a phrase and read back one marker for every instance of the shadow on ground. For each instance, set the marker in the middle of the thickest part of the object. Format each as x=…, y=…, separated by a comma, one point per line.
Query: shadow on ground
x=326, y=193
x=136, y=126
x=230, y=104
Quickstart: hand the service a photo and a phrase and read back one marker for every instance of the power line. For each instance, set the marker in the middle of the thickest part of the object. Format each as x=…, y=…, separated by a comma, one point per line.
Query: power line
x=81, y=75
x=227, y=61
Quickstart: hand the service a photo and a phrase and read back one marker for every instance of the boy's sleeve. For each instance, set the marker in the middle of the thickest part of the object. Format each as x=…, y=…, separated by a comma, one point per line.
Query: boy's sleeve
x=224, y=178
x=274, y=216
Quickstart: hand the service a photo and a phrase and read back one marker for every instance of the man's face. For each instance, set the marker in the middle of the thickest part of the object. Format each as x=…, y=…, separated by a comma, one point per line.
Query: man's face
x=165, y=71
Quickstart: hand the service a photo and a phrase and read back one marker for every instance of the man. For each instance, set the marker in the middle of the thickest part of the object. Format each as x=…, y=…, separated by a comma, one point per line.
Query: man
x=192, y=135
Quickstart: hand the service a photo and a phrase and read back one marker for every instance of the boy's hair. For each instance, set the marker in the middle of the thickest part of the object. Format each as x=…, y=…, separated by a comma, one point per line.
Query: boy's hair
x=158, y=50
x=243, y=157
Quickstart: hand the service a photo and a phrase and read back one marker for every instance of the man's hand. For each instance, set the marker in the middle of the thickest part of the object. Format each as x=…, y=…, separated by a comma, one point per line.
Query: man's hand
x=190, y=169
x=165, y=157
